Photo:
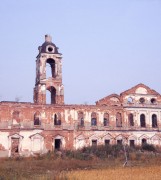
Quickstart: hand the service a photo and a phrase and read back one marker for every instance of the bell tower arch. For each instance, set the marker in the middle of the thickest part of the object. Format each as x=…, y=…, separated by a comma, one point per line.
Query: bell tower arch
x=48, y=56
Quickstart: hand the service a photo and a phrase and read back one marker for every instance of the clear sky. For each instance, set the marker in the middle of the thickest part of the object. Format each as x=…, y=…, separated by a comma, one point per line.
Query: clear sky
x=108, y=46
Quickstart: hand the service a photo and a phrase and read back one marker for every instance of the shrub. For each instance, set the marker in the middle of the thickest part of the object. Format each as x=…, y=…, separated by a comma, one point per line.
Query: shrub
x=148, y=147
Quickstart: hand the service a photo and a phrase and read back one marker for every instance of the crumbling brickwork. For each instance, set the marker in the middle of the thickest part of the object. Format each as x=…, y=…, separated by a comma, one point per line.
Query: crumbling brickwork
x=26, y=129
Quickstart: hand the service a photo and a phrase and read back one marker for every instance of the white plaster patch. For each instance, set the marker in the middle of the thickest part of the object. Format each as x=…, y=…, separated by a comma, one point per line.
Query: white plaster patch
x=141, y=90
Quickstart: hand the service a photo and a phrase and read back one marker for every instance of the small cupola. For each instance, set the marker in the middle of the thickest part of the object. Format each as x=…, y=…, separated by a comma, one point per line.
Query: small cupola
x=48, y=46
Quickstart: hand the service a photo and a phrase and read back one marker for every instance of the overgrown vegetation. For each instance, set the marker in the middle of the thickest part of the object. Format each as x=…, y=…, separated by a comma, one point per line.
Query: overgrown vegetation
x=54, y=164
x=108, y=151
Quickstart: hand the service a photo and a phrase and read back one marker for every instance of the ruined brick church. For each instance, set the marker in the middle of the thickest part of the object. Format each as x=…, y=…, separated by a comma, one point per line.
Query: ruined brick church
x=133, y=117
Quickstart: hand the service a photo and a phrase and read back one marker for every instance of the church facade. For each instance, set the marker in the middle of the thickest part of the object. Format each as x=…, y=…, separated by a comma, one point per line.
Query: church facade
x=26, y=129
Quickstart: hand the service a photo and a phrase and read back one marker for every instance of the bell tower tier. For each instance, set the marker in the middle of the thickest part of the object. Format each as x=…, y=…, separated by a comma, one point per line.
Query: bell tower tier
x=48, y=59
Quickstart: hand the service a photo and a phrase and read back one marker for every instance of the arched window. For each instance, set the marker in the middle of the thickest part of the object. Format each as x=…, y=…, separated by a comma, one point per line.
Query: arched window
x=131, y=119
x=57, y=119
x=16, y=117
x=142, y=120
x=81, y=118
x=118, y=120
x=37, y=119
x=154, y=121
x=106, y=119
x=52, y=97
x=93, y=119
x=50, y=68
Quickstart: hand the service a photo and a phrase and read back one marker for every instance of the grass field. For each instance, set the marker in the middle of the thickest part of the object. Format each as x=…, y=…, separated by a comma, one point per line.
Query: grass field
x=146, y=167
x=128, y=173
x=88, y=164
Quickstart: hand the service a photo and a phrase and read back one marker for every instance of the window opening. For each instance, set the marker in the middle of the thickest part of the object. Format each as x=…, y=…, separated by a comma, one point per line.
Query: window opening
x=142, y=120
x=94, y=143
x=81, y=118
x=50, y=68
x=107, y=142
x=50, y=49
x=118, y=120
x=132, y=143
x=57, y=119
x=129, y=100
x=48, y=97
x=142, y=100
x=131, y=119
x=93, y=119
x=16, y=117
x=37, y=118
x=119, y=142
x=154, y=121
x=153, y=100
x=52, y=95
x=106, y=119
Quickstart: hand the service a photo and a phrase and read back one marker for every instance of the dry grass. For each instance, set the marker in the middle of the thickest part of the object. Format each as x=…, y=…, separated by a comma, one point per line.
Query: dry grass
x=133, y=173
x=31, y=168
x=52, y=166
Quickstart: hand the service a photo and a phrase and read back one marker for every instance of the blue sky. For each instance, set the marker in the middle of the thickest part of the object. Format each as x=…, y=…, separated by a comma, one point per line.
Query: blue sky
x=108, y=46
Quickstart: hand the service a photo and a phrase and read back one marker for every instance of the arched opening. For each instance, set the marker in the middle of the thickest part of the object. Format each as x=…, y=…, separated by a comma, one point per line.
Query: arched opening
x=48, y=97
x=51, y=98
x=153, y=101
x=154, y=121
x=142, y=100
x=142, y=120
x=37, y=121
x=131, y=119
x=106, y=119
x=93, y=119
x=80, y=118
x=50, y=68
x=129, y=100
x=118, y=120
x=57, y=119
x=16, y=117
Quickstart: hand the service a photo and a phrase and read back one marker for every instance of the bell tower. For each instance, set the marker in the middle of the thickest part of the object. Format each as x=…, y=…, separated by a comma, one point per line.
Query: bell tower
x=48, y=57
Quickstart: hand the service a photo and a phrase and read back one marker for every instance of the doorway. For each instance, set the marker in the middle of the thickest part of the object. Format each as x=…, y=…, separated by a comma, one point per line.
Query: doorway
x=132, y=143
x=144, y=141
x=14, y=147
x=58, y=144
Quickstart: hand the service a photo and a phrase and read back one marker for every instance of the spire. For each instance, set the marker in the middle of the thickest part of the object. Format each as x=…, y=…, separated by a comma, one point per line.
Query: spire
x=48, y=38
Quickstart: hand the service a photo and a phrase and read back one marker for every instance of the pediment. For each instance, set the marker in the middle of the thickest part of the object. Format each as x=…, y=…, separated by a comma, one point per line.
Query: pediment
x=107, y=136
x=112, y=99
x=80, y=137
x=144, y=136
x=120, y=136
x=155, y=137
x=58, y=136
x=37, y=136
x=140, y=89
x=132, y=137
x=94, y=137
x=16, y=136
